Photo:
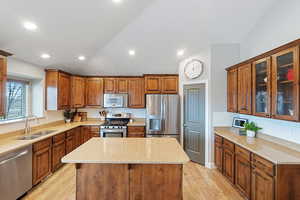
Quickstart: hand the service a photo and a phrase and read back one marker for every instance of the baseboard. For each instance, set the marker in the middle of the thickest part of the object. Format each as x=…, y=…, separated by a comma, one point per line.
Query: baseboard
x=210, y=165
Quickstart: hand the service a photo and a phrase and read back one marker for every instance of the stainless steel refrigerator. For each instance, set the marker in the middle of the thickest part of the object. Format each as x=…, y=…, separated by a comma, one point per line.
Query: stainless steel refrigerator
x=163, y=116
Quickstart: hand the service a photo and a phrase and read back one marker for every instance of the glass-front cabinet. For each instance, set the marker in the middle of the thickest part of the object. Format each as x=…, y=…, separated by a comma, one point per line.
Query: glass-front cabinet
x=261, y=73
x=285, y=84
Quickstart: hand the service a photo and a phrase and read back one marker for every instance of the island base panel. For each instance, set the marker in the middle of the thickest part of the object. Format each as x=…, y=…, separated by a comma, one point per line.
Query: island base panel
x=129, y=181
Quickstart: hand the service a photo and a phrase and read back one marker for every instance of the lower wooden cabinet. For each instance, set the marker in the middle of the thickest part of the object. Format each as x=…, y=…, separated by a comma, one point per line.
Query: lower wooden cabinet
x=262, y=186
x=94, y=131
x=228, y=160
x=219, y=153
x=78, y=140
x=41, y=167
x=136, y=131
x=85, y=133
x=58, y=150
x=70, y=141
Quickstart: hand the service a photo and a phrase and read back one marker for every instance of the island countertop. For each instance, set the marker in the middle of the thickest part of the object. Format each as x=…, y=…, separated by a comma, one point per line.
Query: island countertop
x=128, y=151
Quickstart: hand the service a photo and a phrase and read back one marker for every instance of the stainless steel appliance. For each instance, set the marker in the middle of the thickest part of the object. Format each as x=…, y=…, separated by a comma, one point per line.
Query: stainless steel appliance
x=115, y=100
x=114, y=127
x=163, y=116
x=16, y=173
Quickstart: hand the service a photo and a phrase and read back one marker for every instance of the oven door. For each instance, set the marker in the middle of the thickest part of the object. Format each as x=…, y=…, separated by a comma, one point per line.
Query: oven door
x=113, y=133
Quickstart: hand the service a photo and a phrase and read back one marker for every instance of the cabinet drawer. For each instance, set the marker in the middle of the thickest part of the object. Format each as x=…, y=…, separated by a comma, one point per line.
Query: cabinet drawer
x=242, y=152
x=58, y=138
x=218, y=139
x=136, y=135
x=42, y=144
x=136, y=129
x=228, y=145
x=264, y=165
x=95, y=129
x=70, y=133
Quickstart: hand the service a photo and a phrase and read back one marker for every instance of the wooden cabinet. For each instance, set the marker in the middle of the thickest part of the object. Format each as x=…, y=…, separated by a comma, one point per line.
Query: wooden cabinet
x=244, y=89
x=243, y=171
x=77, y=92
x=58, y=150
x=169, y=85
x=161, y=84
x=261, y=89
x=262, y=186
x=232, y=90
x=285, y=84
x=41, y=164
x=94, y=131
x=122, y=85
x=110, y=85
x=228, y=160
x=70, y=141
x=94, y=92
x=136, y=131
x=85, y=132
x=136, y=93
x=78, y=139
x=3, y=78
x=219, y=153
x=58, y=90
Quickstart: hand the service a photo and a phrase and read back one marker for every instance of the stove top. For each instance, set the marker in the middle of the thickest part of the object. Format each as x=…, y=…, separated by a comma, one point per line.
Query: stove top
x=115, y=123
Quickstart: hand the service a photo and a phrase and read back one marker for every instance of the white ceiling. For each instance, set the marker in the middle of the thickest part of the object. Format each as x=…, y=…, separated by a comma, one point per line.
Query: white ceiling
x=104, y=31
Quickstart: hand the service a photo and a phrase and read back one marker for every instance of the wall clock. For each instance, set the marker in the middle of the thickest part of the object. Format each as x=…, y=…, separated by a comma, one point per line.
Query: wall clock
x=193, y=69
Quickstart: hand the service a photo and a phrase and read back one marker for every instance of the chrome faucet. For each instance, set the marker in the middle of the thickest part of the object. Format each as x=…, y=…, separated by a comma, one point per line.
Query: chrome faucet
x=27, y=123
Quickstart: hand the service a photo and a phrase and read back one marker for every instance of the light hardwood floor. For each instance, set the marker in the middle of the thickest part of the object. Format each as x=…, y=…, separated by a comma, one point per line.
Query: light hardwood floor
x=199, y=184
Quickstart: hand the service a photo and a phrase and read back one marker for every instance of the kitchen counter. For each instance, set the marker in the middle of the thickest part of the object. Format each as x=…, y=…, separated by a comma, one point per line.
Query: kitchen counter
x=11, y=143
x=276, y=153
x=128, y=150
x=137, y=123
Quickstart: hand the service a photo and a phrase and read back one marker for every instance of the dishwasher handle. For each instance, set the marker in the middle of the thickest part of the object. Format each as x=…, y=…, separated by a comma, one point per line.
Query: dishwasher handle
x=14, y=157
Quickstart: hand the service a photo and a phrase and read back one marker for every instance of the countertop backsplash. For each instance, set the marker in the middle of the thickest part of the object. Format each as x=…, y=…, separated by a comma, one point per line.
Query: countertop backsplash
x=135, y=113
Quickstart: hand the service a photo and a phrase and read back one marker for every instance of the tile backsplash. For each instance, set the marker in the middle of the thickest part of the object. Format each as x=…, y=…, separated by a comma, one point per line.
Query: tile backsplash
x=136, y=113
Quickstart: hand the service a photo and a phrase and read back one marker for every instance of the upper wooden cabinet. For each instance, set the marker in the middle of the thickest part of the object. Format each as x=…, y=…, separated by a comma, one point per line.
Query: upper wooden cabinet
x=122, y=85
x=232, y=98
x=244, y=89
x=261, y=89
x=110, y=85
x=58, y=90
x=94, y=92
x=285, y=84
x=161, y=84
x=3, y=78
x=136, y=93
x=77, y=92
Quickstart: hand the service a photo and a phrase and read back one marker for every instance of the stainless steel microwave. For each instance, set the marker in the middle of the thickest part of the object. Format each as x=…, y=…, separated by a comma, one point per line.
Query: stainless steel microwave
x=115, y=100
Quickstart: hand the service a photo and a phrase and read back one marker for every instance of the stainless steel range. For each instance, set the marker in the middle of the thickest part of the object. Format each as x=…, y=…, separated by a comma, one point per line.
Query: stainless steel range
x=114, y=127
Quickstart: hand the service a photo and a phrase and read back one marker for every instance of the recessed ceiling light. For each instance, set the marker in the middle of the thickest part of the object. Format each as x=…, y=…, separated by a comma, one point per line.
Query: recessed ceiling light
x=45, y=56
x=117, y=1
x=131, y=52
x=180, y=52
x=30, y=26
x=81, y=57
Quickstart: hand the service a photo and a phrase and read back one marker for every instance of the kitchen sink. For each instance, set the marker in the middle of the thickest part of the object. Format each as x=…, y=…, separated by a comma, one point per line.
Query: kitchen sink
x=36, y=135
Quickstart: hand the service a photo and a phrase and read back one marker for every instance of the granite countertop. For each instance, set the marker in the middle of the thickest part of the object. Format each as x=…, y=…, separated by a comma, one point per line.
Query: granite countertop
x=137, y=123
x=128, y=151
x=276, y=153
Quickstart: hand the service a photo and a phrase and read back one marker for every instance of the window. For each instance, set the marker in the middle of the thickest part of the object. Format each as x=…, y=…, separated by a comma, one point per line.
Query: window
x=16, y=100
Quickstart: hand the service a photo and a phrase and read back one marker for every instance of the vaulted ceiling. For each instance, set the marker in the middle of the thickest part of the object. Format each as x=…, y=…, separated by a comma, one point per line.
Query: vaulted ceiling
x=105, y=31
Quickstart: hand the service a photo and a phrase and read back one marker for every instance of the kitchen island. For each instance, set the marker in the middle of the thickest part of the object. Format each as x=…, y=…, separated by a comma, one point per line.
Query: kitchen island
x=128, y=168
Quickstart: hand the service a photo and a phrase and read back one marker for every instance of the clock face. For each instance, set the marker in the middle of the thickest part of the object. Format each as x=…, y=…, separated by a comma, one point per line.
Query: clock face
x=193, y=69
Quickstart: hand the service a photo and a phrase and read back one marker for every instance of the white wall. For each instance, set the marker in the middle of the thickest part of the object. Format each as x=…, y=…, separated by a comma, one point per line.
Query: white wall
x=278, y=26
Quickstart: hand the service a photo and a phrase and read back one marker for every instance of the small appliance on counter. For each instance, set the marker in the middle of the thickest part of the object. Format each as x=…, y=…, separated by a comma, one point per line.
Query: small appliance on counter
x=239, y=124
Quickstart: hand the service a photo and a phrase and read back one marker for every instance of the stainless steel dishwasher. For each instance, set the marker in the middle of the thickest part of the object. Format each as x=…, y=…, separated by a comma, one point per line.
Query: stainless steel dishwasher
x=16, y=173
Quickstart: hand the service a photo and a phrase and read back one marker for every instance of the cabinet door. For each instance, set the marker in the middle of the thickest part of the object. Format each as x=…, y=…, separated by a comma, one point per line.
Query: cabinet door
x=169, y=85
x=153, y=84
x=219, y=156
x=262, y=186
x=3, y=77
x=110, y=85
x=232, y=87
x=261, y=74
x=41, y=164
x=136, y=93
x=64, y=82
x=244, y=89
x=70, y=144
x=136, y=131
x=77, y=92
x=85, y=131
x=122, y=85
x=285, y=84
x=243, y=175
x=94, y=92
x=228, y=164
x=78, y=137
x=58, y=151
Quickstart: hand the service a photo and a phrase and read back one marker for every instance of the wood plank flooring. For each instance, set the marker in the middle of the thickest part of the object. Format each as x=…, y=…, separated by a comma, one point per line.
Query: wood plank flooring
x=199, y=183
